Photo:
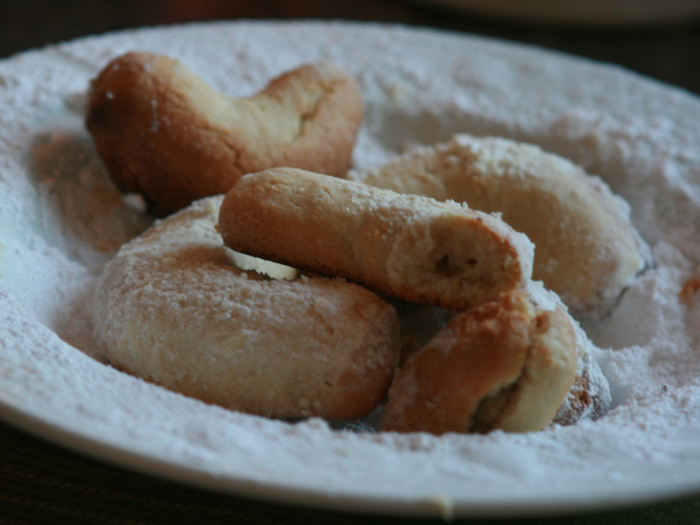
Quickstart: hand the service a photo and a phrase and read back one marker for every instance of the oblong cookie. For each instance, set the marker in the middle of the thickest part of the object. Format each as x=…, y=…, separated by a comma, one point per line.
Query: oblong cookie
x=501, y=365
x=172, y=308
x=587, y=250
x=163, y=132
x=406, y=246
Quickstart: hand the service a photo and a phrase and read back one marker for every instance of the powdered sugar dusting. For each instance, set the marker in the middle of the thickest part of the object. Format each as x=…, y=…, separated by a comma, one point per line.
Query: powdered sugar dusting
x=419, y=87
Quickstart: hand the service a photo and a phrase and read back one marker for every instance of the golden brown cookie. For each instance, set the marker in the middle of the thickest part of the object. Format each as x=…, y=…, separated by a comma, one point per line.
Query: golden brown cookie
x=174, y=309
x=587, y=250
x=501, y=365
x=589, y=397
x=163, y=132
x=406, y=246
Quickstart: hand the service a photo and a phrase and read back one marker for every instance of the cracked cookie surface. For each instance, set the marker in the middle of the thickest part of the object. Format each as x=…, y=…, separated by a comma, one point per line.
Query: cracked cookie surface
x=163, y=132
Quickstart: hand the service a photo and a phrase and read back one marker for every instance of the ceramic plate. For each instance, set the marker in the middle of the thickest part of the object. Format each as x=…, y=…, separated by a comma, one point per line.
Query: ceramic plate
x=61, y=220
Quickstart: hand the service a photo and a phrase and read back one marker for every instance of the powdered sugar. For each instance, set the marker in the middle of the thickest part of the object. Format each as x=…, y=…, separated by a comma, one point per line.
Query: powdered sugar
x=419, y=87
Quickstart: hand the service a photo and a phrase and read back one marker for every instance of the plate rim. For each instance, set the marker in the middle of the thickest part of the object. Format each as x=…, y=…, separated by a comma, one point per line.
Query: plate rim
x=84, y=444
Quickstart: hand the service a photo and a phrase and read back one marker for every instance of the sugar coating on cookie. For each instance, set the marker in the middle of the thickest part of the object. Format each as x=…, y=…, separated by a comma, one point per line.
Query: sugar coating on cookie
x=587, y=249
x=589, y=396
x=174, y=309
x=501, y=365
x=406, y=246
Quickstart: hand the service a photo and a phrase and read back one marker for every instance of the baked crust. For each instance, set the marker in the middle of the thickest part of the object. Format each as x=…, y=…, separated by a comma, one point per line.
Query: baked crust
x=589, y=396
x=588, y=251
x=500, y=365
x=163, y=132
x=410, y=247
x=173, y=309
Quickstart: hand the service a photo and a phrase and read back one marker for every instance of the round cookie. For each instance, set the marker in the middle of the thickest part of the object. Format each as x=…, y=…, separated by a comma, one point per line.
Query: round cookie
x=174, y=309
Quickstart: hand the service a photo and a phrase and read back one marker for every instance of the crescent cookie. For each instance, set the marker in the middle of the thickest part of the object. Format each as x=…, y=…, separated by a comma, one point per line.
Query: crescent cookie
x=406, y=246
x=587, y=250
x=163, y=132
x=173, y=309
x=589, y=397
x=501, y=365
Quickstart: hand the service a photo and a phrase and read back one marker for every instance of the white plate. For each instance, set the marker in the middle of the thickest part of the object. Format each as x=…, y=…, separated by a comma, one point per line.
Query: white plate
x=60, y=221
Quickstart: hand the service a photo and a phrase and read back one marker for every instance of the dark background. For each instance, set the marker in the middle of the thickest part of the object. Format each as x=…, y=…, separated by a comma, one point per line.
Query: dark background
x=670, y=53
